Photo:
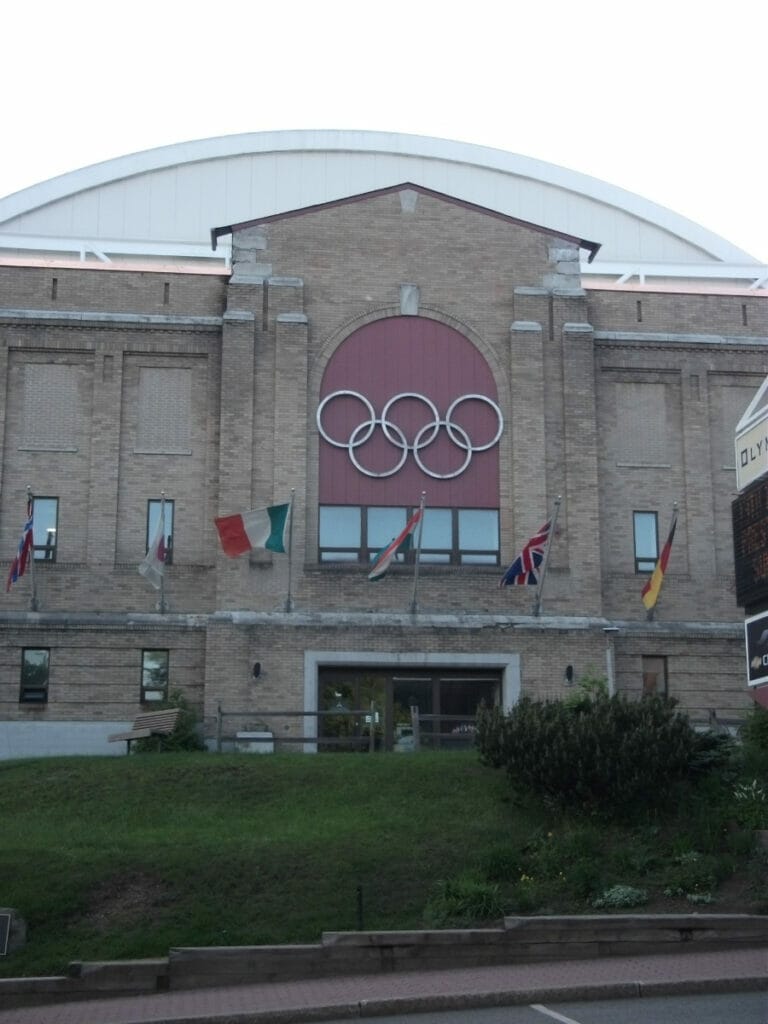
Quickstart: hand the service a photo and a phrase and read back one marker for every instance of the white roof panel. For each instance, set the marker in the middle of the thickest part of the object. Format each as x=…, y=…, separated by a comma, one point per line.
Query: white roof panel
x=169, y=198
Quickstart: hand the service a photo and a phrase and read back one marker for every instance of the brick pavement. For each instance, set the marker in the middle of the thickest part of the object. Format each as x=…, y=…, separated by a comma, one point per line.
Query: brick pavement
x=369, y=995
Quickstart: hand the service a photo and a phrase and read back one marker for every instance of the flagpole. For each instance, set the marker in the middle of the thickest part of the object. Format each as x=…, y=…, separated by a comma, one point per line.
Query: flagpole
x=414, y=600
x=545, y=560
x=289, y=598
x=32, y=581
x=165, y=554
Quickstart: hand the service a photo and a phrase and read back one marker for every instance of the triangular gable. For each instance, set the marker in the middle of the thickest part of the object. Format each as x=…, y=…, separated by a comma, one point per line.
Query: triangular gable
x=756, y=410
x=582, y=243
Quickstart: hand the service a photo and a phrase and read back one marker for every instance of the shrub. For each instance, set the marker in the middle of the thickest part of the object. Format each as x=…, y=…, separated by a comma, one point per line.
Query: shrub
x=463, y=901
x=185, y=736
x=754, y=732
x=609, y=754
x=692, y=874
x=620, y=896
x=750, y=805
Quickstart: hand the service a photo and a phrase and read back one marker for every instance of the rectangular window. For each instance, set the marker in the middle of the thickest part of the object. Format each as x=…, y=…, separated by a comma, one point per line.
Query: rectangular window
x=35, y=662
x=153, y=520
x=646, y=527
x=654, y=676
x=154, y=676
x=349, y=533
x=45, y=528
x=340, y=533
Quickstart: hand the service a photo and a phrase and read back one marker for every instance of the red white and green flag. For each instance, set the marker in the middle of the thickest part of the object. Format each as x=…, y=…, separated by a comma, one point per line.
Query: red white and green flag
x=260, y=528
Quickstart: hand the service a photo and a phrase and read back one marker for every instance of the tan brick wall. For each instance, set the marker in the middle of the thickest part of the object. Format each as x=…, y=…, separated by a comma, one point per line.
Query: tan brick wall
x=256, y=379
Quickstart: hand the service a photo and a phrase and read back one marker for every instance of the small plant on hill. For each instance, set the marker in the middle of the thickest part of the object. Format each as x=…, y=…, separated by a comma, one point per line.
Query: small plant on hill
x=463, y=901
x=185, y=735
x=619, y=897
x=750, y=805
x=692, y=874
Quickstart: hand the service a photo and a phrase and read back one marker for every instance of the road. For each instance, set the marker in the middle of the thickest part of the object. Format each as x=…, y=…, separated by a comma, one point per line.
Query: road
x=730, y=1008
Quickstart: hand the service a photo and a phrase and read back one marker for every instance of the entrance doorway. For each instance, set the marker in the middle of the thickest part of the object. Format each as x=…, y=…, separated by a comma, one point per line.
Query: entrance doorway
x=447, y=703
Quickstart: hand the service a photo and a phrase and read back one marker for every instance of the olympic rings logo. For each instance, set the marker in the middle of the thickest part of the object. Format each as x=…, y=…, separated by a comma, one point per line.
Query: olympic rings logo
x=396, y=436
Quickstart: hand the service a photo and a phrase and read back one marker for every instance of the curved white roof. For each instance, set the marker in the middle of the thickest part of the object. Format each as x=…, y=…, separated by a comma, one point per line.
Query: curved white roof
x=162, y=203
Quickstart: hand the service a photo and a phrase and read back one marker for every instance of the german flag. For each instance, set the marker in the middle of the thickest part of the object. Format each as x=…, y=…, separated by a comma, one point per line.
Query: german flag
x=650, y=594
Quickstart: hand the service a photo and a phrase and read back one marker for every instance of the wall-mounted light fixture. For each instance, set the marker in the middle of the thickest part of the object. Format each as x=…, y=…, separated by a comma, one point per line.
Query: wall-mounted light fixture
x=569, y=675
x=256, y=669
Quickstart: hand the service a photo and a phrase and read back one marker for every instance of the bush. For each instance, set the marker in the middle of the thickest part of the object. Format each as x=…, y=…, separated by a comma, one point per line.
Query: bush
x=692, y=874
x=463, y=901
x=184, y=737
x=754, y=731
x=606, y=754
x=619, y=897
x=750, y=805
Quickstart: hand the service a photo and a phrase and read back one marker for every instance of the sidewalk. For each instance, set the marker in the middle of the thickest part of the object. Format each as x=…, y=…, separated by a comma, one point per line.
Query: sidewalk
x=371, y=996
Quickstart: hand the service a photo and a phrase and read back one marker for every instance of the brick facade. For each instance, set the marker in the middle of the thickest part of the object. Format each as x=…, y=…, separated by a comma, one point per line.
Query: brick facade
x=571, y=368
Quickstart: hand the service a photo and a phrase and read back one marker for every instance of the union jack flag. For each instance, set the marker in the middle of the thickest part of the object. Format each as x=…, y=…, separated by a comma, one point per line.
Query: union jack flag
x=524, y=570
x=19, y=564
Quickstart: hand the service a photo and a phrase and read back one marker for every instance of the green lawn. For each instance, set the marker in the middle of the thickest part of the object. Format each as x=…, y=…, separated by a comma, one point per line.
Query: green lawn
x=125, y=857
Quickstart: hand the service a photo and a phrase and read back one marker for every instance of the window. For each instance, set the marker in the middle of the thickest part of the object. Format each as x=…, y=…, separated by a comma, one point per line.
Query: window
x=646, y=540
x=654, y=676
x=154, y=676
x=153, y=520
x=46, y=522
x=450, y=536
x=34, y=675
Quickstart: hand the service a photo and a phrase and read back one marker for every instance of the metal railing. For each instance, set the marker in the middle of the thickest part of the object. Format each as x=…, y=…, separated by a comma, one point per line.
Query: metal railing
x=363, y=721
x=363, y=729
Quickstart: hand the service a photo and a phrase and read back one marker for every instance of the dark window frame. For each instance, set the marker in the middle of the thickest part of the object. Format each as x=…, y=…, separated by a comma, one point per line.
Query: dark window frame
x=45, y=552
x=34, y=691
x=364, y=554
x=645, y=562
x=655, y=674
x=146, y=686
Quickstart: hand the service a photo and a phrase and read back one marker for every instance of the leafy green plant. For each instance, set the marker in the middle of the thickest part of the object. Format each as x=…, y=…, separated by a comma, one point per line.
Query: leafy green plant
x=692, y=873
x=750, y=805
x=464, y=900
x=185, y=735
x=754, y=731
x=587, y=689
x=619, y=897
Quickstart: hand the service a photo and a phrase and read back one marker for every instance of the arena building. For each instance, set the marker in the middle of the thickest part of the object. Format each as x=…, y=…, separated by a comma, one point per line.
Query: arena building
x=348, y=321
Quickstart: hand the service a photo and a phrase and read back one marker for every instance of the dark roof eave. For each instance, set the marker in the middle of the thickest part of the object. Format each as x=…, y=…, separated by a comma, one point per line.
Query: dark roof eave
x=591, y=247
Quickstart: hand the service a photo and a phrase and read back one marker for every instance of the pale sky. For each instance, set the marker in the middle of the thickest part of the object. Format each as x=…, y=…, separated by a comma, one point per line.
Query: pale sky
x=663, y=99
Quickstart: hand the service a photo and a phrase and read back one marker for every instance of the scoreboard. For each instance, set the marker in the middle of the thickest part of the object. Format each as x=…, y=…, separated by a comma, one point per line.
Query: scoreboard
x=750, y=543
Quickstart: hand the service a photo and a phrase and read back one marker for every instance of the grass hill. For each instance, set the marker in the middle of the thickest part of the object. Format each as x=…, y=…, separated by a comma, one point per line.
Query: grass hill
x=110, y=858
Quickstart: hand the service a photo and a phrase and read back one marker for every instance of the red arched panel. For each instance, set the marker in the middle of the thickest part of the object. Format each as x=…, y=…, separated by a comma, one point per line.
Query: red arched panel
x=409, y=356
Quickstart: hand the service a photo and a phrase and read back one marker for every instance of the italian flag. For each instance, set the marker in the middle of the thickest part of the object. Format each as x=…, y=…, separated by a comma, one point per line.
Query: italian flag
x=265, y=528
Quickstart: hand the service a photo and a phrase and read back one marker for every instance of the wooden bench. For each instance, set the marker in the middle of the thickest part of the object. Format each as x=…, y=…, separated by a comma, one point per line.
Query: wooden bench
x=149, y=723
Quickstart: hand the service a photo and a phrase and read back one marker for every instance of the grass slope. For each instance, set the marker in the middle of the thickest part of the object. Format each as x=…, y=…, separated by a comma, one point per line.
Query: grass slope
x=125, y=857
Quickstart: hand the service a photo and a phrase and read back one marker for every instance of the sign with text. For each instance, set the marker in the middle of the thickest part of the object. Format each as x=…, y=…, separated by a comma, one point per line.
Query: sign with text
x=752, y=454
x=750, y=544
x=756, y=636
x=752, y=440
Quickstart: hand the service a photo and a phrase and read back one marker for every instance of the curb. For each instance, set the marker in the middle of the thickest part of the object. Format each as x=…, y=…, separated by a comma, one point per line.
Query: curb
x=504, y=997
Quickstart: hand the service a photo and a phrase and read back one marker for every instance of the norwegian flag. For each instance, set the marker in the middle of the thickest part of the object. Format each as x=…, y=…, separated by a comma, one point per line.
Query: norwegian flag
x=524, y=570
x=24, y=553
